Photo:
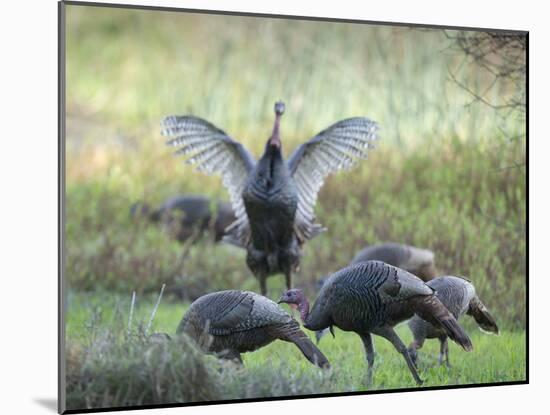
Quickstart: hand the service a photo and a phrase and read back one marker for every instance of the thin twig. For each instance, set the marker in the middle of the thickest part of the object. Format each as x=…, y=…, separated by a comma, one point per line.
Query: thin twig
x=154, y=310
x=512, y=166
x=502, y=56
x=478, y=97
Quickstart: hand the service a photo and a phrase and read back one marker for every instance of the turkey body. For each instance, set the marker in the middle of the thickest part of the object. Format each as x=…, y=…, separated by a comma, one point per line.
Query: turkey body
x=273, y=198
x=232, y=322
x=417, y=261
x=188, y=216
x=371, y=298
x=459, y=296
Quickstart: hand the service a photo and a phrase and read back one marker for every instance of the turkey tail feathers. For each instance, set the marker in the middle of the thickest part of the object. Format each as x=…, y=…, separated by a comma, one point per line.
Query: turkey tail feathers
x=311, y=352
x=481, y=315
x=433, y=310
x=306, y=346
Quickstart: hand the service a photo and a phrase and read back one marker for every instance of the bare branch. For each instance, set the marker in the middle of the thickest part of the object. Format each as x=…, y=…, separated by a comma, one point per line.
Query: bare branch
x=512, y=166
x=503, y=56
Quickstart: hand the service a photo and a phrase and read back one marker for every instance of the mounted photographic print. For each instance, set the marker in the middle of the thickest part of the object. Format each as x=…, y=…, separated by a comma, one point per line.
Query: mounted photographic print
x=265, y=207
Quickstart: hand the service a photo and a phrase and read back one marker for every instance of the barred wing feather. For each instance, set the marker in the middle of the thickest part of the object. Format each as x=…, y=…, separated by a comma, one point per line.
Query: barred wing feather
x=212, y=151
x=339, y=147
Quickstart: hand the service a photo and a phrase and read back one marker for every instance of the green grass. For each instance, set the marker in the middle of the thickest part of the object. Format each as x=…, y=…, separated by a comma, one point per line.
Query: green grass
x=448, y=175
x=99, y=322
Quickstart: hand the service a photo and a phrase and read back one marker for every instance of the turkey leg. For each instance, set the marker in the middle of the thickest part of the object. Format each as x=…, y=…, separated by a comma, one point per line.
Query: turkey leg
x=413, y=347
x=232, y=355
x=369, y=350
x=444, y=351
x=288, y=279
x=263, y=284
x=389, y=334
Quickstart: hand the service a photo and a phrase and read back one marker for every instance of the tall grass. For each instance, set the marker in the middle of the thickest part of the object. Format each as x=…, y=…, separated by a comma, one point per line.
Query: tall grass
x=452, y=198
x=106, y=366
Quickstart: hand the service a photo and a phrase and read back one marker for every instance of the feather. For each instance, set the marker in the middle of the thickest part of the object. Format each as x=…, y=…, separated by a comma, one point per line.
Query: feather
x=338, y=147
x=212, y=151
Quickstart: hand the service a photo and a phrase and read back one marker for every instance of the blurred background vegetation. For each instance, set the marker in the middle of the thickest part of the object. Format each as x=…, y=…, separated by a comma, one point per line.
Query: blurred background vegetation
x=448, y=175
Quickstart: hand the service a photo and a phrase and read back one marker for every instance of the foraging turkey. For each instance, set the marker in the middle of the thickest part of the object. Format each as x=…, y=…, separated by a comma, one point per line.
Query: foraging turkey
x=273, y=200
x=233, y=322
x=371, y=298
x=459, y=296
x=188, y=216
x=417, y=261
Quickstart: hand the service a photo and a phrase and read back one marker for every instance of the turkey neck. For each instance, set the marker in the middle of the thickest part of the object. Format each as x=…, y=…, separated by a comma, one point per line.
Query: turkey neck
x=303, y=308
x=275, y=139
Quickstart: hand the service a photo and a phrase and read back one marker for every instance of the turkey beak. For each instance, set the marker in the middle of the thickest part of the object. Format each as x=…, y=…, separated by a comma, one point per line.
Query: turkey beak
x=281, y=300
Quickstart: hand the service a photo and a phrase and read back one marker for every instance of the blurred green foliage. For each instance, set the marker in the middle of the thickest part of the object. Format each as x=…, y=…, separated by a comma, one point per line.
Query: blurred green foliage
x=448, y=175
x=131, y=68
x=454, y=201
x=443, y=177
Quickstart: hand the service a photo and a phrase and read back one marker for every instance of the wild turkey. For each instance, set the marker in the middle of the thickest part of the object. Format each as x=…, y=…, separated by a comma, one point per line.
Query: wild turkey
x=417, y=261
x=372, y=297
x=232, y=322
x=188, y=216
x=459, y=296
x=273, y=200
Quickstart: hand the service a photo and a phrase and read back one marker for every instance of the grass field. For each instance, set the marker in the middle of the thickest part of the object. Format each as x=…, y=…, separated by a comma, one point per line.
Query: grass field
x=448, y=175
x=99, y=322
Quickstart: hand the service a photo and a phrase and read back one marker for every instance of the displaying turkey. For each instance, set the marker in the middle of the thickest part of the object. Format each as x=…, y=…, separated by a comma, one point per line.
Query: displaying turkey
x=188, y=216
x=273, y=200
x=417, y=261
x=371, y=298
x=232, y=322
x=459, y=296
